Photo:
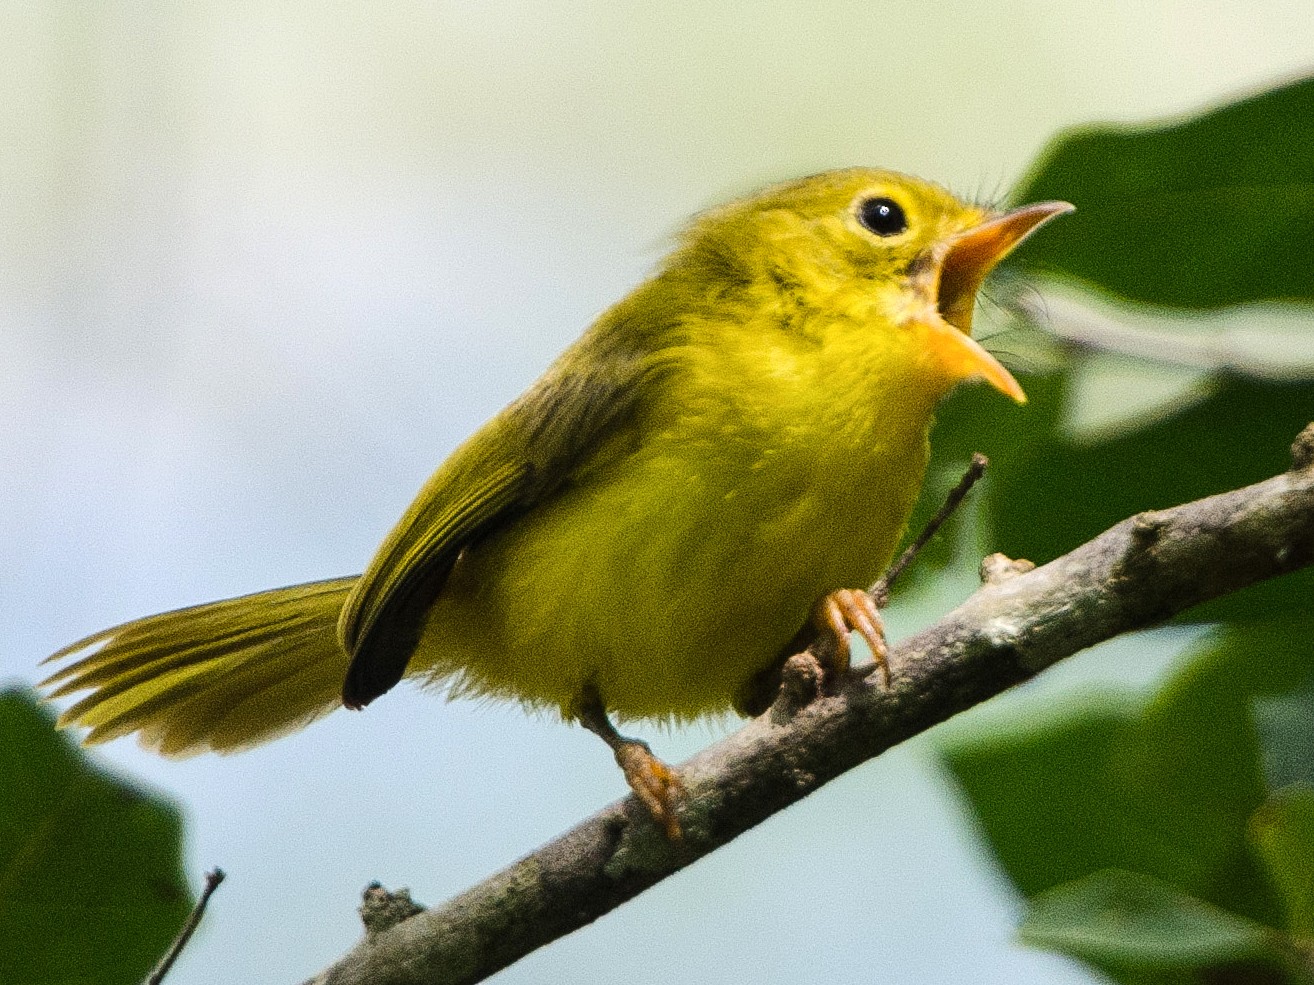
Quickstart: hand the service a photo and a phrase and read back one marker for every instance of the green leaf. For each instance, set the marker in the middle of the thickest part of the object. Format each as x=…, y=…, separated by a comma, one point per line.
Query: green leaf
x=1126, y=920
x=1041, y=788
x=1282, y=833
x=1242, y=434
x=91, y=885
x=1166, y=789
x=1213, y=211
x=1199, y=218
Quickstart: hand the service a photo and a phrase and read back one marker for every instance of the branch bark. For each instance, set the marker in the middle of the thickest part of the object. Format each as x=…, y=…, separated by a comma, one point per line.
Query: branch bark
x=1139, y=572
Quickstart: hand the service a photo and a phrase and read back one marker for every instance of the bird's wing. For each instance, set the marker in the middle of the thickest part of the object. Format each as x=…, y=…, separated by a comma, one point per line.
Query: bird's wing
x=516, y=461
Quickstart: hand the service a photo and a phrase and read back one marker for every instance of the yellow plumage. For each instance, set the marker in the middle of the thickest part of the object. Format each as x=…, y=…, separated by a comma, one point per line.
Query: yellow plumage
x=692, y=548
x=654, y=520
x=222, y=677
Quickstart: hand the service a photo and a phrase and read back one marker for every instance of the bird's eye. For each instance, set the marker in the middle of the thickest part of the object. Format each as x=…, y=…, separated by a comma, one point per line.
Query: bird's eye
x=883, y=216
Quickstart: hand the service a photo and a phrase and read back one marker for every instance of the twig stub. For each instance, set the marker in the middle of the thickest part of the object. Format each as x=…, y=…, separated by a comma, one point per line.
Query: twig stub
x=381, y=909
x=212, y=880
x=880, y=591
x=801, y=679
x=997, y=568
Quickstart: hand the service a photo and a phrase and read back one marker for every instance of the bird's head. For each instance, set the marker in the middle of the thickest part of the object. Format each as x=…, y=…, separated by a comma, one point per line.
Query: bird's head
x=900, y=254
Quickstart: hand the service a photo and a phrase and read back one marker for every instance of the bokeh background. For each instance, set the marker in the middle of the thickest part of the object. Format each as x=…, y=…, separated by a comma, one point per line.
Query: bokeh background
x=263, y=265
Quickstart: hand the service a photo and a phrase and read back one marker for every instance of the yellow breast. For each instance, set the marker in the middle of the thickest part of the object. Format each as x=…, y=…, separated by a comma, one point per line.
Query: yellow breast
x=771, y=467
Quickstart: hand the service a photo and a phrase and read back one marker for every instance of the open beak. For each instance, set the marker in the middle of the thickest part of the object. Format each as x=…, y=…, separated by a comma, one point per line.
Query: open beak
x=963, y=267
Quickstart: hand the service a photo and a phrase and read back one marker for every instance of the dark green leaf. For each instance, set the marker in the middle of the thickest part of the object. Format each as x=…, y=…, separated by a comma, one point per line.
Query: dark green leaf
x=1212, y=212
x=1041, y=789
x=91, y=885
x=1167, y=789
x=1240, y=435
x=1216, y=210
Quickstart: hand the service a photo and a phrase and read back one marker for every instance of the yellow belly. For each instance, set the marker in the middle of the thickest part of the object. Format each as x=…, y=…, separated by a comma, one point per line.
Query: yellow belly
x=772, y=467
x=667, y=579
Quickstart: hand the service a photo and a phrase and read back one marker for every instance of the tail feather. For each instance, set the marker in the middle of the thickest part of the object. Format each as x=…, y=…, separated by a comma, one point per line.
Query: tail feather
x=223, y=676
x=149, y=648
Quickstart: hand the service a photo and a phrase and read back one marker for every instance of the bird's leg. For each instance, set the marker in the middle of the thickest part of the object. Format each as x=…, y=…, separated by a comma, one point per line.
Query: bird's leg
x=842, y=612
x=653, y=782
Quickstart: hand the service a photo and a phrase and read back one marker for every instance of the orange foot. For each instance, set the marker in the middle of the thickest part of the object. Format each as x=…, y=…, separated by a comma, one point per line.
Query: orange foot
x=848, y=610
x=653, y=782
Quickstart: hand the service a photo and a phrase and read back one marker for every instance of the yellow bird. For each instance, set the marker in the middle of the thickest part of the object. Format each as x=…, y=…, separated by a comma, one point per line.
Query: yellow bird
x=641, y=534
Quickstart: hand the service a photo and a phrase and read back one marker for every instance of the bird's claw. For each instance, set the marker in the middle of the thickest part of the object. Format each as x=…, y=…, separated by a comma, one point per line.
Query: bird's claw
x=656, y=785
x=852, y=610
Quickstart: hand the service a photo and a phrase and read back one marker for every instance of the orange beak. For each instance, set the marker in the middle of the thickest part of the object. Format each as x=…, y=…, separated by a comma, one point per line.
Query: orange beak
x=963, y=267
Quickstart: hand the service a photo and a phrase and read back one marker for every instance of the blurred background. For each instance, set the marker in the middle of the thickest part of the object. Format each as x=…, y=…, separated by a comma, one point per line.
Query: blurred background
x=263, y=265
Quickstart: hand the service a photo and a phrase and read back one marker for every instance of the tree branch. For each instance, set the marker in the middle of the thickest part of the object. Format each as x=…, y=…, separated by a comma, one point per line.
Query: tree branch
x=1140, y=572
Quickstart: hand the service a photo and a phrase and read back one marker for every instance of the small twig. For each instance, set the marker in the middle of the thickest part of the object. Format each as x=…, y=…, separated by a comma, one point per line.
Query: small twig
x=212, y=880
x=881, y=590
x=381, y=908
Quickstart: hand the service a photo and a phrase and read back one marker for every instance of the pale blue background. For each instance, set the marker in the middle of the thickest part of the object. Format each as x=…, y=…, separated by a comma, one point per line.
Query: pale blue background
x=263, y=264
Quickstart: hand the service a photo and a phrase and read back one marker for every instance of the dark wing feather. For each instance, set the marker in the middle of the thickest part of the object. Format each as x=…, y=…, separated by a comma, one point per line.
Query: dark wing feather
x=514, y=462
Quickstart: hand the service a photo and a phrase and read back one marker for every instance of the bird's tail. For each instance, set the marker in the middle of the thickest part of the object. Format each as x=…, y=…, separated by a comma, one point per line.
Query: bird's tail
x=222, y=677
